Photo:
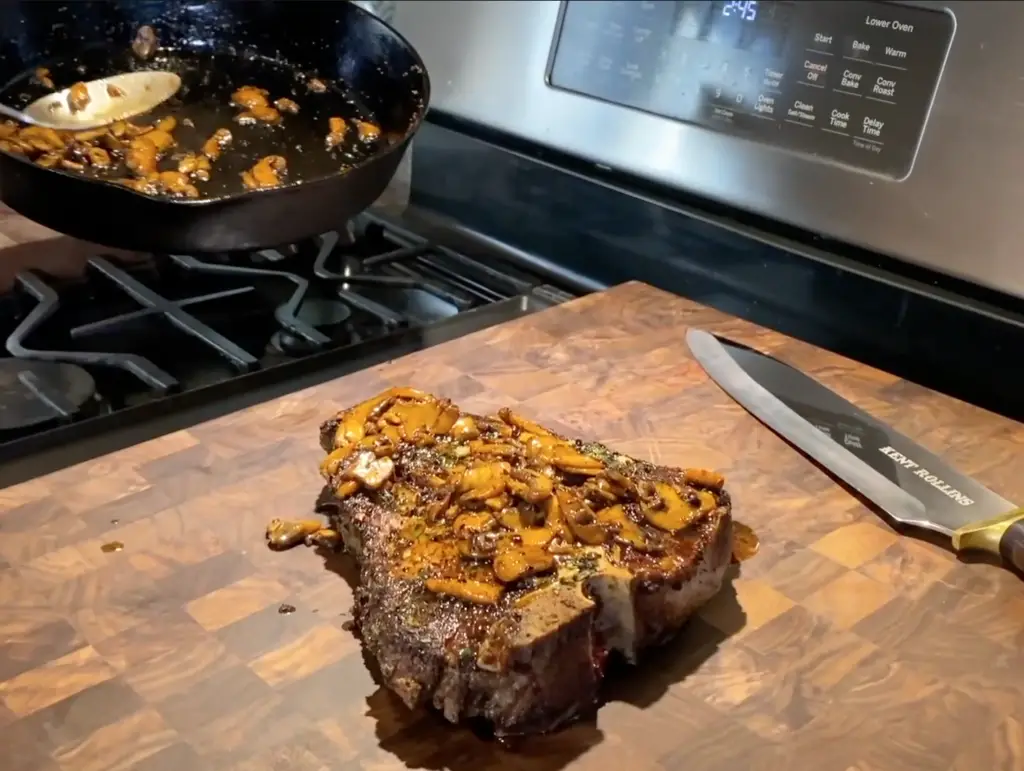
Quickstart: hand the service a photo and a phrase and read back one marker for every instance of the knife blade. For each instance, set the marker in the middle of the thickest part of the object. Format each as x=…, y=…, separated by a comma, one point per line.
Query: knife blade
x=911, y=485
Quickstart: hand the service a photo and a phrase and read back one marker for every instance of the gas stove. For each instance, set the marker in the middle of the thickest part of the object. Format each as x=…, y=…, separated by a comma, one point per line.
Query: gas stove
x=134, y=340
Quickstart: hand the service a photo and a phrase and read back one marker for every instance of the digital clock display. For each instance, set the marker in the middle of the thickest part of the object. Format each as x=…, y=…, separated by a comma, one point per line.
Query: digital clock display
x=747, y=25
x=740, y=9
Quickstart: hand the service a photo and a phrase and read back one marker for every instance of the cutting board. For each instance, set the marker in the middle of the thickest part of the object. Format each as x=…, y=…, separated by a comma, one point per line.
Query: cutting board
x=841, y=646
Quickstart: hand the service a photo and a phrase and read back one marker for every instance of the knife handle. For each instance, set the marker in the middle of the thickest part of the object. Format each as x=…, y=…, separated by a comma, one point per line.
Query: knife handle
x=1002, y=536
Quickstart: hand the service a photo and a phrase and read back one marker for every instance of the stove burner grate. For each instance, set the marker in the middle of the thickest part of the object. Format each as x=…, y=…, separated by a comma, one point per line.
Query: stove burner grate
x=351, y=274
x=35, y=392
x=317, y=314
x=238, y=313
x=47, y=305
x=287, y=314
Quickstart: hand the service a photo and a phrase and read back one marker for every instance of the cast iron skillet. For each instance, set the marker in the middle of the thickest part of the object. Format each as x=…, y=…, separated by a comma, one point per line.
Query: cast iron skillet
x=217, y=46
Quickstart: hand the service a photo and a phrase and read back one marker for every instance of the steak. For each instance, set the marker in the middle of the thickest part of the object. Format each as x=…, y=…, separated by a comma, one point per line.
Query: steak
x=500, y=563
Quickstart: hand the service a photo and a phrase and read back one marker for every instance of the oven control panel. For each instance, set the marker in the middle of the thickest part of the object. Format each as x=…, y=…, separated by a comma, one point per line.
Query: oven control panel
x=851, y=82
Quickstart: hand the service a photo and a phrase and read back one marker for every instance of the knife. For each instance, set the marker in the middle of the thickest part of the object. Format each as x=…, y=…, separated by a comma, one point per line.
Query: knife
x=912, y=485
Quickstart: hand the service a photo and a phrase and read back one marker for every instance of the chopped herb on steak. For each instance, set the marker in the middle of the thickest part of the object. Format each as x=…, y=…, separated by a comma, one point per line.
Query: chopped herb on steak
x=501, y=563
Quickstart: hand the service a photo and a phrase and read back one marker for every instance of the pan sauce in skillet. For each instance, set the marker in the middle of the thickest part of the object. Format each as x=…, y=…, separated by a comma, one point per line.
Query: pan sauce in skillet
x=307, y=140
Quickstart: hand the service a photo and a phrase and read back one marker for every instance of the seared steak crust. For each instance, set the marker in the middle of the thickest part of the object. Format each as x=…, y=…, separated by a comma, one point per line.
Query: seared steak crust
x=500, y=563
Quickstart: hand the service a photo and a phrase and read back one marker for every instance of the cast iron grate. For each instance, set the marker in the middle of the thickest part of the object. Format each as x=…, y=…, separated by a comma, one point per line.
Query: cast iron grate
x=128, y=333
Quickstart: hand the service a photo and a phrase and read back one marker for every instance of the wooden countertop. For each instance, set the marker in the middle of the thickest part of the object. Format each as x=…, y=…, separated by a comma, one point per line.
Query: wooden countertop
x=841, y=647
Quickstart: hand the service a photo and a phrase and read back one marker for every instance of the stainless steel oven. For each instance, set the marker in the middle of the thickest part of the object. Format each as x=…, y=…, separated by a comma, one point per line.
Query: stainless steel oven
x=896, y=127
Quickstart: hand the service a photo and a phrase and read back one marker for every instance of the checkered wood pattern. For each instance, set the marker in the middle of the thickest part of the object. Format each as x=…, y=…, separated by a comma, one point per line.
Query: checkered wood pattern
x=841, y=647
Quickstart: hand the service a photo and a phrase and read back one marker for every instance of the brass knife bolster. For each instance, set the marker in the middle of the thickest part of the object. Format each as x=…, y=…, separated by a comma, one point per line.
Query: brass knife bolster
x=988, y=534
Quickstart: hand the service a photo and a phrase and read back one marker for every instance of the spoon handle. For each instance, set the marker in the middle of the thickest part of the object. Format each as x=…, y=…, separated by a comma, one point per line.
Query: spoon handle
x=18, y=115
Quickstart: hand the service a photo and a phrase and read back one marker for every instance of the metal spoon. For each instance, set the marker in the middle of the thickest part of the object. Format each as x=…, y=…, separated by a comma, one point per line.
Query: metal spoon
x=110, y=99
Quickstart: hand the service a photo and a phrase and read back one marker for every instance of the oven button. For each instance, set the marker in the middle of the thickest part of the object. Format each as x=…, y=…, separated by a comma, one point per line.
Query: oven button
x=853, y=79
x=839, y=120
x=883, y=87
x=821, y=42
x=858, y=47
x=802, y=112
x=872, y=127
x=771, y=78
x=814, y=71
x=766, y=105
x=869, y=131
x=893, y=56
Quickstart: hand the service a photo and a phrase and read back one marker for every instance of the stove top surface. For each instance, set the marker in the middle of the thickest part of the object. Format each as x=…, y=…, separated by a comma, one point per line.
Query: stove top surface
x=152, y=335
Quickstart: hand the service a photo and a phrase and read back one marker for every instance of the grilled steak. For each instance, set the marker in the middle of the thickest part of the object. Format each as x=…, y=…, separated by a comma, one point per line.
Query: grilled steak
x=501, y=563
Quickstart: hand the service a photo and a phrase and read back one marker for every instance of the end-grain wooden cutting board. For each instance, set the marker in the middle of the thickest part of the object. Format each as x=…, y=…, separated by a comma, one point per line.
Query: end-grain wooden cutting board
x=841, y=647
